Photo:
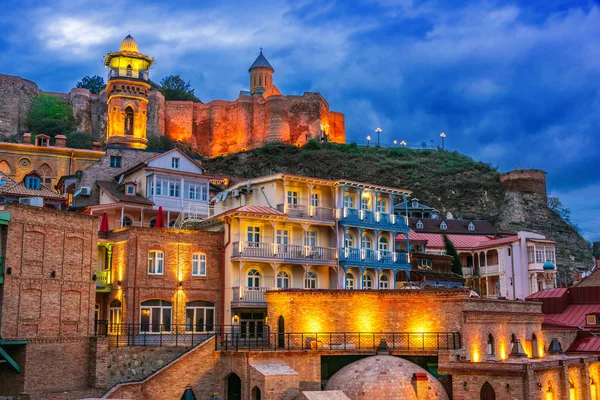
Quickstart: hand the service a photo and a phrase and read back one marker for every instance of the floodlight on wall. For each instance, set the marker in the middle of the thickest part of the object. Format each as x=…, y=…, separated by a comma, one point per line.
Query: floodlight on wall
x=53, y=274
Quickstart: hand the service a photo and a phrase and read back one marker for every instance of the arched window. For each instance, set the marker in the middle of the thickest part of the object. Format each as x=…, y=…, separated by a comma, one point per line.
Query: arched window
x=199, y=316
x=283, y=280
x=348, y=241
x=535, y=351
x=482, y=259
x=253, y=278
x=367, y=244
x=156, y=316
x=513, y=338
x=156, y=259
x=127, y=220
x=490, y=345
x=256, y=393
x=114, y=315
x=367, y=281
x=198, y=264
x=311, y=280
x=128, y=121
x=260, y=80
x=383, y=244
x=443, y=226
x=419, y=224
x=5, y=167
x=349, y=281
x=45, y=173
x=129, y=70
x=384, y=282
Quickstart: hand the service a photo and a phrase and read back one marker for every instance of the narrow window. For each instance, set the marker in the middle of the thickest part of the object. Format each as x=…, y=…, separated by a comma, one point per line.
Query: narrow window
x=128, y=121
x=471, y=227
x=292, y=197
x=349, y=281
x=155, y=262
x=283, y=280
x=199, y=264
x=367, y=281
x=443, y=226
x=115, y=161
x=253, y=278
x=490, y=345
x=311, y=280
x=384, y=282
x=348, y=202
x=175, y=162
x=314, y=199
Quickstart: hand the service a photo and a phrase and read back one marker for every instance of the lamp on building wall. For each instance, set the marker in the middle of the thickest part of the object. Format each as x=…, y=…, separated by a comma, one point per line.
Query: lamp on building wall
x=571, y=390
x=8, y=270
x=53, y=274
x=549, y=394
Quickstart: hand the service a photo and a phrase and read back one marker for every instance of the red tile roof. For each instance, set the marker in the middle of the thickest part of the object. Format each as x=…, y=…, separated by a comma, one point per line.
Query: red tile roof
x=585, y=345
x=573, y=316
x=12, y=188
x=461, y=242
x=432, y=225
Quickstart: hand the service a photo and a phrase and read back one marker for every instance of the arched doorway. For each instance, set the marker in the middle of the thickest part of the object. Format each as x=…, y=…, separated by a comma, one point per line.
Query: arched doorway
x=487, y=392
x=234, y=387
x=281, y=332
x=256, y=393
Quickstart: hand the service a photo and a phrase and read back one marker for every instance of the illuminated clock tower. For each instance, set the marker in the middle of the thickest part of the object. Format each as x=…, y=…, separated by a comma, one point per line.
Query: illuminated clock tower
x=127, y=91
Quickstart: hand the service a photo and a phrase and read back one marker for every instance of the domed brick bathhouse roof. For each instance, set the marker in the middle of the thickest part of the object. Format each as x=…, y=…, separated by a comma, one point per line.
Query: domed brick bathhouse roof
x=385, y=377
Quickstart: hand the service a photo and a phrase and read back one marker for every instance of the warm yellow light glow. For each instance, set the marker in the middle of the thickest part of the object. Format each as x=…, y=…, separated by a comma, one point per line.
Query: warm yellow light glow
x=502, y=352
x=572, y=393
x=541, y=350
x=475, y=356
x=365, y=195
x=593, y=392
x=549, y=395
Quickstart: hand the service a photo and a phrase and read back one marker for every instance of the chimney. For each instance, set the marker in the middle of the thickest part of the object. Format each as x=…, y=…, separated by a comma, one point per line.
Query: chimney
x=96, y=146
x=60, y=141
x=421, y=385
x=27, y=138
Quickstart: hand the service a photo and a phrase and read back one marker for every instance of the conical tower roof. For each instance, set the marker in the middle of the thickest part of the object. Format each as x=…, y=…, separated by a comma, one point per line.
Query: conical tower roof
x=129, y=44
x=261, y=61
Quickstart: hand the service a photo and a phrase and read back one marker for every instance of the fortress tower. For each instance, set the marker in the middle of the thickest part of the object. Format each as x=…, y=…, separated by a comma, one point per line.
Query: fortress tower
x=261, y=75
x=127, y=95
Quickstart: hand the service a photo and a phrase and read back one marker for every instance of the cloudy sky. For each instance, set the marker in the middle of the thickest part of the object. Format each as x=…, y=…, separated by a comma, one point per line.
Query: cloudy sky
x=515, y=84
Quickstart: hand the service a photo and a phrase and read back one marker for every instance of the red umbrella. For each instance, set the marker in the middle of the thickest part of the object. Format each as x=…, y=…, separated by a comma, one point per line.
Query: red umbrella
x=160, y=222
x=104, y=223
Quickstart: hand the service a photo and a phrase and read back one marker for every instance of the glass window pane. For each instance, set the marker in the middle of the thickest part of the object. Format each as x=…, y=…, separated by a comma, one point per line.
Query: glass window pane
x=155, y=318
x=166, y=319
x=145, y=319
x=210, y=319
x=189, y=319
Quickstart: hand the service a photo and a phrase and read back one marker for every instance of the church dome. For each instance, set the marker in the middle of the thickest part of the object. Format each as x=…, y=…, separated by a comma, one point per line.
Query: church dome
x=385, y=377
x=548, y=265
x=129, y=44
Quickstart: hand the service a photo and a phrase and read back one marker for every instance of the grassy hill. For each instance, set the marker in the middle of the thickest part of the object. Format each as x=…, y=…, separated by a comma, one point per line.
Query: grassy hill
x=446, y=180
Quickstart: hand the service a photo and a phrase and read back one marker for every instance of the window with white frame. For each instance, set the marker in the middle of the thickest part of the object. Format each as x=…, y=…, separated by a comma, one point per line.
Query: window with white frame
x=156, y=316
x=531, y=254
x=283, y=280
x=348, y=241
x=366, y=242
x=253, y=278
x=384, y=282
x=168, y=186
x=282, y=236
x=311, y=280
x=149, y=186
x=349, y=281
x=311, y=238
x=175, y=162
x=130, y=190
x=383, y=244
x=419, y=224
x=292, y=197
x=348, y=201
x=443, y=226
x=364, y=203
x=415, y=204
x=114, y=315
x=253, y=234
x=381, y=206
x=367, y=281
x=198, y=264
x=314, y=200
x=199, y=316
x=194, y=190
x=156, y=260
x=471, y=227
x=174, y=187
x=424, y=263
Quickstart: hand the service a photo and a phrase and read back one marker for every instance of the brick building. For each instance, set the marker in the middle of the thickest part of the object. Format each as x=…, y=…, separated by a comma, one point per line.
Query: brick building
x=46, y=299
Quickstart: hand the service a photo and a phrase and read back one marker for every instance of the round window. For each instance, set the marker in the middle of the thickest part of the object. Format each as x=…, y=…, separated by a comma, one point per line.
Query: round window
x=24, y=162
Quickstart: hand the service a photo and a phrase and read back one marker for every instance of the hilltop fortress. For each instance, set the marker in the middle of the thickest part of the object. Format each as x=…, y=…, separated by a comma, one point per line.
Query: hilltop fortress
x=131, y=108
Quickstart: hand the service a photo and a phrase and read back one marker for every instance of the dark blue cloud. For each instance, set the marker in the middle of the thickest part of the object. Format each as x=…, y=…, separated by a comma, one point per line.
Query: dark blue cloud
x=515, y=84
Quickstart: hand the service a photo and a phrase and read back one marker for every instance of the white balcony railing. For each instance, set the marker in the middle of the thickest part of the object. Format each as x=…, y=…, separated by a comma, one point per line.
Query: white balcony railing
x=283, y=251
x=250, y=294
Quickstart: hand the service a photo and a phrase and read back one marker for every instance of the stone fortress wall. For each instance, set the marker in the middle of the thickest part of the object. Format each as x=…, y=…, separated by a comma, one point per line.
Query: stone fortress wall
x=215, y=128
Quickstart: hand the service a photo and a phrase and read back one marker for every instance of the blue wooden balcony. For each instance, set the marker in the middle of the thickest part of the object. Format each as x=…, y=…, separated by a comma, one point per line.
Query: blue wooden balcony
x=373, y=220
x=353, y=257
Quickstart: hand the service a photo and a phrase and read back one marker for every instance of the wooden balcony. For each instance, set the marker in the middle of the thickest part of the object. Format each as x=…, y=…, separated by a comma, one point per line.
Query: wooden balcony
x=284, y=252
x=376, y=220
x=307, y=212
x=373, y=258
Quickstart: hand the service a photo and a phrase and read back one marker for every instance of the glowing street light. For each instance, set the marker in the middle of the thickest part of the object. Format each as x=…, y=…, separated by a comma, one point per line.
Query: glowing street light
x=443, y=136
x=378, y=131
x=395, y=143
x=403, y=143
x=368, y=140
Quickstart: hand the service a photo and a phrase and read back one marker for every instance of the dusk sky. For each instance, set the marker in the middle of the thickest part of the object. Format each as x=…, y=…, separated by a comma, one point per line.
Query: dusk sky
x=514, y=84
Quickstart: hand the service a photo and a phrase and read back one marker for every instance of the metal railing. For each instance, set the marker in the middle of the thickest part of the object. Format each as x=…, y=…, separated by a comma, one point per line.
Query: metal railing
x=186, y=335
x=341, y=341
x=368, y=217
x=368, y=256
x=283, y=251
x=128, y=73
x=250, y=294
x=310, y=212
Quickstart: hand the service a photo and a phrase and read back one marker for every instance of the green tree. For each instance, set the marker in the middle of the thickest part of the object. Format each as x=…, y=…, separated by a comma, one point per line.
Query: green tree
x=50, y=114
x=173, y=87
x=94, y=84
x=160, y=142
x=451, y=251
x=80, y=140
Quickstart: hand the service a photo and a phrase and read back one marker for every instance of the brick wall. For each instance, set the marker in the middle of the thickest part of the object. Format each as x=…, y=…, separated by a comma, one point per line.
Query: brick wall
x=130, y=266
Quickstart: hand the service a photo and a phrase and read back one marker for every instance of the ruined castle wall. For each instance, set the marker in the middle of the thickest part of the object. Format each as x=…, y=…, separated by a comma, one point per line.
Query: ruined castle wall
x=305, y=114
x=179, y=120
x=81, y=101
x=525, y=181
x=155, y=123
x=15, y=99
x=337, y=127
x=99, y=113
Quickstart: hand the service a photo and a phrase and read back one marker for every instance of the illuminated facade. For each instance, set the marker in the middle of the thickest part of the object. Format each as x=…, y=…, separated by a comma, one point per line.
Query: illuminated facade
x=286, y=231
x=127, y=93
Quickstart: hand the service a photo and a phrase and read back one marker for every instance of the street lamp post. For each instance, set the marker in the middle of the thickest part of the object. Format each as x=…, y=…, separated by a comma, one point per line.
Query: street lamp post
x=378, y=131
x=443, y=136
x=395, y=143
x=368, y=140
x=403, y=143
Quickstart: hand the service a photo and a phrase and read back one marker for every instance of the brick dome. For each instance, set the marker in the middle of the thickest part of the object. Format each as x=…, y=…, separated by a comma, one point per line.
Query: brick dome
x=386, y=377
